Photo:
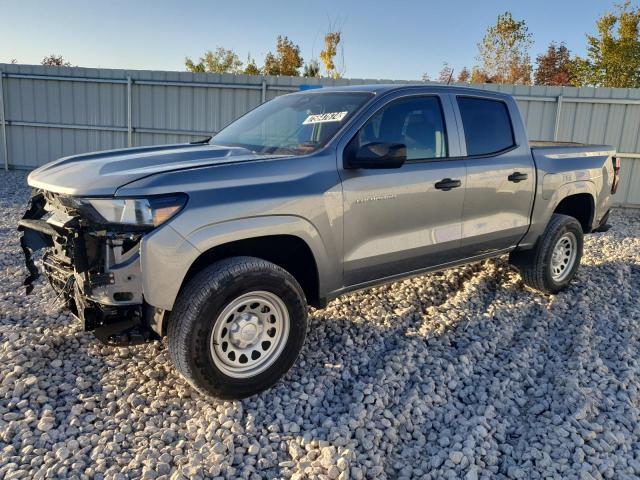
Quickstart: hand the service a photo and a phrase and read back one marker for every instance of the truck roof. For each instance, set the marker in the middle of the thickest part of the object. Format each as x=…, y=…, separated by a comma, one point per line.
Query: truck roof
x=379, y=88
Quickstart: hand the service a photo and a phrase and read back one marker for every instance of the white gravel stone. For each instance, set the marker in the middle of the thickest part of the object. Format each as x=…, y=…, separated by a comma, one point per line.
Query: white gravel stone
x=342, y=464
x=63, y=453
x=458, y=374
x=456, y=456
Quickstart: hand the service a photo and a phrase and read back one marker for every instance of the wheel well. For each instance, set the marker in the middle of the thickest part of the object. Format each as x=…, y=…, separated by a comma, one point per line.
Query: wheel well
x=579, y=206
x=287, y=251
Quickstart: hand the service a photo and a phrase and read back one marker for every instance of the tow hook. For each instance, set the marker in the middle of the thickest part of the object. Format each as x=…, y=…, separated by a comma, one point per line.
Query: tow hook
x=123, y=334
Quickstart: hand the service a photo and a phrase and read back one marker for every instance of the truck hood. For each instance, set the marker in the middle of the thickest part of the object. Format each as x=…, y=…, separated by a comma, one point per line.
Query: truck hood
x=102, y=173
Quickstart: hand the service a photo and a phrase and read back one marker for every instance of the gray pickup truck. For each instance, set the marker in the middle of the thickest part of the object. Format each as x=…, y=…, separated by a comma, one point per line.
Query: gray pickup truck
x=221, y=244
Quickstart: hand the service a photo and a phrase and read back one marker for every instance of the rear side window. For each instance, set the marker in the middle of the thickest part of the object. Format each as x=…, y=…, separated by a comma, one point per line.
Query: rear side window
x=487, y=125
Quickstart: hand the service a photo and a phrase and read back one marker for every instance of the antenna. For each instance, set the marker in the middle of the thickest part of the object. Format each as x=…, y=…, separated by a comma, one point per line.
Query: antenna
x=450, y=77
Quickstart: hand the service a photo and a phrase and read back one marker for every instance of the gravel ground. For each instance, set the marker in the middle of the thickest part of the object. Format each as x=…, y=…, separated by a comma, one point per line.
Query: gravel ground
x=461, y=374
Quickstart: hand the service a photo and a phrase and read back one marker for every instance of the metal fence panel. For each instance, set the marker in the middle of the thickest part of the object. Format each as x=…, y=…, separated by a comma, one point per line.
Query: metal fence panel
x=50, y=112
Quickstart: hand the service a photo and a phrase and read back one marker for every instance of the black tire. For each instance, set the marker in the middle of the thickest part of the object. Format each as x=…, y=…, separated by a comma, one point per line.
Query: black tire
x=535, y=265
x=198, y=307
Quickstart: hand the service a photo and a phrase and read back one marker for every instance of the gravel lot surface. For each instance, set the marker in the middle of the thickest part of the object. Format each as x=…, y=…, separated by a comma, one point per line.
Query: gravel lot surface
x=461, y=374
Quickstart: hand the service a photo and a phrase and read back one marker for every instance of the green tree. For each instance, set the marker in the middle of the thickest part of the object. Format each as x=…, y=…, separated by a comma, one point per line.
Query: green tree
x=55, y=61
x=251, y=68
x=286, y=61
x=504, y=52
x=311, y=69
x=613, y=53
x=328, y=54
x=219, y=61
x=554, y=67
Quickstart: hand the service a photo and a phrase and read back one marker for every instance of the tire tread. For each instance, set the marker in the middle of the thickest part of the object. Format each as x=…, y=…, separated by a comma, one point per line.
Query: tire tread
x=194, y=295
x=531, y=263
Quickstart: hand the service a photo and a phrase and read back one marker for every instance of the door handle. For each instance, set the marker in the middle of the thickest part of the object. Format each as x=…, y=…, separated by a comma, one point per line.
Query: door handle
x=516, y=177
x=447, y=184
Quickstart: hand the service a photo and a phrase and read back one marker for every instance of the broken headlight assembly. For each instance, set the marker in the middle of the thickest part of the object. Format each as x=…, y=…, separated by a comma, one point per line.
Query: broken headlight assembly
x=147, y=212
x=92, y=258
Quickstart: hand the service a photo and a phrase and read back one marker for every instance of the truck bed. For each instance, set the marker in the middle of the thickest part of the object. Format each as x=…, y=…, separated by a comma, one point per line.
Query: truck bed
x=563, y=150
x=566, y=169
x=549, y=144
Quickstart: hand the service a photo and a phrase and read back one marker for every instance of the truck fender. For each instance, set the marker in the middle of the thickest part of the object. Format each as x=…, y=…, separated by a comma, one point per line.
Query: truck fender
x=548, y=200
x=161, y=284
x=567, y=190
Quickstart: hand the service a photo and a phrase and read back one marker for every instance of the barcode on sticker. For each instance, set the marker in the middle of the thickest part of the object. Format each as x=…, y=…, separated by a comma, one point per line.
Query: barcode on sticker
x=325, y=117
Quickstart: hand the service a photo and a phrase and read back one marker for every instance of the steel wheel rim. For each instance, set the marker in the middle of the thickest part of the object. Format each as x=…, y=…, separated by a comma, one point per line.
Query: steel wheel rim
x=563, y=256
x=249, y=334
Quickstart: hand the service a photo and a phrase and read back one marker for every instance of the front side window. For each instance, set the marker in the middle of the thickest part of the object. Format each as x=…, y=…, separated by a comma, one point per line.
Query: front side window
x=415, y=122
x=487, y=125
x=292, y=124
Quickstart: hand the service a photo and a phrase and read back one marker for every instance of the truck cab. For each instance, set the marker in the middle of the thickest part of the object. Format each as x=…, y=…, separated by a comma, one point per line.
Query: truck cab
x=464, y=191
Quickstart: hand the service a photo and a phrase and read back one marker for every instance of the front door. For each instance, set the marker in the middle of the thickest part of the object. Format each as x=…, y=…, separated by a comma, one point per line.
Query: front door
x=405, y=219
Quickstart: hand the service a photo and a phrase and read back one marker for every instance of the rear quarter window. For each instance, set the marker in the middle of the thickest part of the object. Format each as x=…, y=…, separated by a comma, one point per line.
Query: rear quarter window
x=487, y=125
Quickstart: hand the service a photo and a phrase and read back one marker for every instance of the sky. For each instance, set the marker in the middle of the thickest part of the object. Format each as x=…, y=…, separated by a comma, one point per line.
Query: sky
x=392, y=39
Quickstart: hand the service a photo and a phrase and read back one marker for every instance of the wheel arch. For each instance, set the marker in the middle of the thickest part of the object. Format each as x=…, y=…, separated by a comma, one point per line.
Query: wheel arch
x=289, y=241
x=168, y=256
x=567, y=199
x=285, y=250
x=580, y=206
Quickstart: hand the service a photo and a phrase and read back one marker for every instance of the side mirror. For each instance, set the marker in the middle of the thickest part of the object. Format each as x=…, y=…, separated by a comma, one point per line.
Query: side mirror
x=376, y=155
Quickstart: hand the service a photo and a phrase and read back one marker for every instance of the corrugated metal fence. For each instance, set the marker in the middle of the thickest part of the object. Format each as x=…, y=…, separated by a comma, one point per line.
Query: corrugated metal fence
x=51, y=112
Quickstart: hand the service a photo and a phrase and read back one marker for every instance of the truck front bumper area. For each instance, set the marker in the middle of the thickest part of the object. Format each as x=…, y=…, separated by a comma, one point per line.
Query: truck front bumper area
x=97, y=273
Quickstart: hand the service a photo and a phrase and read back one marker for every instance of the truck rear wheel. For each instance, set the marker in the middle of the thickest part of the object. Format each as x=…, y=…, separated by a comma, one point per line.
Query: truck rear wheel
x=237, y=327
x=553, y=262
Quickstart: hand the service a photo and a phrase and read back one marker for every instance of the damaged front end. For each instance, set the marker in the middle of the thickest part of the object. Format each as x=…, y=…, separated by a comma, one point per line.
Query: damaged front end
x=92, y=260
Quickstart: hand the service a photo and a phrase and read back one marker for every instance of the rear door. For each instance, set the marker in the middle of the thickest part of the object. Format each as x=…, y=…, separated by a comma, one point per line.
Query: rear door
x=401, y=220
x=500, y=175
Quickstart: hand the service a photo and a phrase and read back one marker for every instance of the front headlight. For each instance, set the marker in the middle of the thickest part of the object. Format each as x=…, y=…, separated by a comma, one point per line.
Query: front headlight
x=143, y=212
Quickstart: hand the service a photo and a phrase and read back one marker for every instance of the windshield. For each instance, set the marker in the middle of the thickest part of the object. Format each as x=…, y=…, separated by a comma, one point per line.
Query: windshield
x=292, y=124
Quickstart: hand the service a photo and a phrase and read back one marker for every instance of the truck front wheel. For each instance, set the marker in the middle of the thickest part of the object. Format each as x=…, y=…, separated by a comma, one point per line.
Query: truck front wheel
x=237, y=327
x=553, y=262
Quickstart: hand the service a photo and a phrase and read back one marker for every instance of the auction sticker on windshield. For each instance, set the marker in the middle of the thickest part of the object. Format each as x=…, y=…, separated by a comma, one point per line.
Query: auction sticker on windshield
x=325, y=117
